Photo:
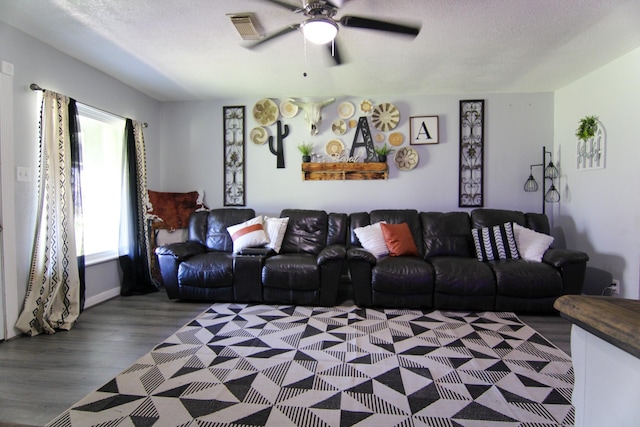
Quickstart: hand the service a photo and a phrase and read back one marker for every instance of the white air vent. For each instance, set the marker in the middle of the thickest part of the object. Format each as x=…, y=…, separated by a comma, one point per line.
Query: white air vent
x=246, y=25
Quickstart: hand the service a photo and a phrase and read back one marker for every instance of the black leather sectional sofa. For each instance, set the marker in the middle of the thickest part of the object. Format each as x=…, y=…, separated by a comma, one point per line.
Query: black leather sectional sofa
x=319, y=248
x=306, y=270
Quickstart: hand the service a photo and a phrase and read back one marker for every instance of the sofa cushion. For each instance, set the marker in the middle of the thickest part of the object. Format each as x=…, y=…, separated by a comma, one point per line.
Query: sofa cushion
x=208, y=270
x=372, y=240
x=337, y=228
x=463, y=284
x=299, y=272
x=531, y=244
x=398, y=239
x=447, y=234
x=249, y=234
x=495, y=242
x=210, y=228
x=306, y=231
x=537, y=222
x=402, y=275
x=463, y=276
x=484, y=217
x=526, y=279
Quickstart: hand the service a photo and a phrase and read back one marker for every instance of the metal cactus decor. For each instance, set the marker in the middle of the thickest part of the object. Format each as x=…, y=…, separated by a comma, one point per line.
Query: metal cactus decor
x=278, y=150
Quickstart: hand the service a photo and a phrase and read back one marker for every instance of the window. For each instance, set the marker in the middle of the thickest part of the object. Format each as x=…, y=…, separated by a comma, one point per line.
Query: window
x=102, y=139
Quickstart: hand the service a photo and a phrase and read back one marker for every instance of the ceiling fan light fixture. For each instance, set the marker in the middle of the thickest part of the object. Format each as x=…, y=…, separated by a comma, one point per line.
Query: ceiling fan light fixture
x=319, y=30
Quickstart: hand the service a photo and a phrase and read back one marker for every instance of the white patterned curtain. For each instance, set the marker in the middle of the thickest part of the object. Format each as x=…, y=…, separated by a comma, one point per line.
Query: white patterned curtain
x=54, y=298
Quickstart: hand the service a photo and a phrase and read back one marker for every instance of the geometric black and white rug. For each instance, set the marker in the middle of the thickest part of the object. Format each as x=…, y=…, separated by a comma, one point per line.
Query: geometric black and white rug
x=255, y=365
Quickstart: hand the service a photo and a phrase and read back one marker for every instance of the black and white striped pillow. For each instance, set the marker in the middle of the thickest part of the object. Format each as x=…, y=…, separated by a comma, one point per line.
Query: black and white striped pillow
x=495, y=242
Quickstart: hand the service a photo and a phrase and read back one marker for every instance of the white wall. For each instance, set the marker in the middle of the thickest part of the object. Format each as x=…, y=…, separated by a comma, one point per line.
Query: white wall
x=65, y=75
x=600, y=210
x=517, y=126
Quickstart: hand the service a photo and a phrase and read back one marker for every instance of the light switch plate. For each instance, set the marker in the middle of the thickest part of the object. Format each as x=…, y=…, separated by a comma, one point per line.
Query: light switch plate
x=24, y=174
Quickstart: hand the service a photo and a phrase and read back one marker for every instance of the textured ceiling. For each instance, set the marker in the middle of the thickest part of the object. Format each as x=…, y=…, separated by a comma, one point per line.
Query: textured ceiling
x=189, y=50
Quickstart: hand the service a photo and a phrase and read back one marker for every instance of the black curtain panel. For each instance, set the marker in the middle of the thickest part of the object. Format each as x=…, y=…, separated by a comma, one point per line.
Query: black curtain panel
x=134, y=255
x=76, y=171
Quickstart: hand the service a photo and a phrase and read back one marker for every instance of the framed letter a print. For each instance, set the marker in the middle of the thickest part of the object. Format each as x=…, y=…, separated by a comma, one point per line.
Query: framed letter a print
x=423, y=130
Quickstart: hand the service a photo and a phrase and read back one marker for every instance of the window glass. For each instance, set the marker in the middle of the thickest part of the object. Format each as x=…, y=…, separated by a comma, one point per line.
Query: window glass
x=102, y=139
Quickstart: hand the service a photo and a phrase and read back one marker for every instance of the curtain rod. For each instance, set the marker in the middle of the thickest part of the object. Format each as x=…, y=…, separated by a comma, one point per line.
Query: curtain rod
x=35, y=87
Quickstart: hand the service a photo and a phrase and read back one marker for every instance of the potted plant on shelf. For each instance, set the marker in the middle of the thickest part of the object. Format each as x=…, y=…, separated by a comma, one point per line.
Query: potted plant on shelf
x=588, y=127
x=382, y=152
x=306, y=150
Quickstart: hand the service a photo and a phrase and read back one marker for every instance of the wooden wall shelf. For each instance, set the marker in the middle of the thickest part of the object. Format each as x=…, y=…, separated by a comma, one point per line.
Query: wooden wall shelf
x=344, y=171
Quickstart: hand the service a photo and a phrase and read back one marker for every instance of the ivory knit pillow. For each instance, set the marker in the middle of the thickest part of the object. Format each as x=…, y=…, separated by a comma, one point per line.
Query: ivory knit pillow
x=371, y=239
x=531, y=244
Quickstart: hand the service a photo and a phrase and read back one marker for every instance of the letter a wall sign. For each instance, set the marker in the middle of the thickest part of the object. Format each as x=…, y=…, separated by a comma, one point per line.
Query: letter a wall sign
x=424, y=130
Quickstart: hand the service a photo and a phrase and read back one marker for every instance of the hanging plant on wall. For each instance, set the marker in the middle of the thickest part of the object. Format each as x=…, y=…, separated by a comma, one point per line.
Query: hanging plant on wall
x=591, y=143
x=588, y=127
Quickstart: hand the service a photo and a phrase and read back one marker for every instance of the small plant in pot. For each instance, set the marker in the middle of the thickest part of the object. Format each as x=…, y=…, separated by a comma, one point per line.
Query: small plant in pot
x=306, y=150
x=382, y=152
x=588, y=127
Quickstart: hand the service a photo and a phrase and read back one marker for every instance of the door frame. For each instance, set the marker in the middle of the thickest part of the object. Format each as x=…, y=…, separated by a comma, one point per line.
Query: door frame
x=10, y=305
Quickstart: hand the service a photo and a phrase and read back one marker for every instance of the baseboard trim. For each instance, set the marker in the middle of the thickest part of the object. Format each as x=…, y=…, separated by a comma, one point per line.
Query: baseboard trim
x=101, y=297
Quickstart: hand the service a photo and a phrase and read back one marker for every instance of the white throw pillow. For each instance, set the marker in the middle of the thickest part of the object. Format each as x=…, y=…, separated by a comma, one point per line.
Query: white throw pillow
x=372, y=240
x=249, y=234
x=275, y=228
x=531, y=244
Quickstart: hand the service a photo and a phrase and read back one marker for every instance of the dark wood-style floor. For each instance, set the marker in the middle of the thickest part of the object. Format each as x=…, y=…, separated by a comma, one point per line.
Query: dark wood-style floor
x=41, y=377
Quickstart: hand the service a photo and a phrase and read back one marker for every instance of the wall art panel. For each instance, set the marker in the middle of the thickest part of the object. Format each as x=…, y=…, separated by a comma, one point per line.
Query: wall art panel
x=471, y=154
x=234, y=135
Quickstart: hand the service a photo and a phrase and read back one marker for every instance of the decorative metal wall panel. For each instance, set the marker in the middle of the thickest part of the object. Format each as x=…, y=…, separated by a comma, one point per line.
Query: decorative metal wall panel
x=234, y=190
x=471, y=154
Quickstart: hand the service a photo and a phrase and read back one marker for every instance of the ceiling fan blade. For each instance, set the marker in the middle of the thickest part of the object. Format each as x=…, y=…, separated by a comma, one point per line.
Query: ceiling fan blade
x=334, y=52
x=282, y=32
x=285, y=5
x=374, y=24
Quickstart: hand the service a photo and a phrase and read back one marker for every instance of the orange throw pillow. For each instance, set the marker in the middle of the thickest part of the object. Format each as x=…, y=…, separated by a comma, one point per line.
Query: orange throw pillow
x=399, y=239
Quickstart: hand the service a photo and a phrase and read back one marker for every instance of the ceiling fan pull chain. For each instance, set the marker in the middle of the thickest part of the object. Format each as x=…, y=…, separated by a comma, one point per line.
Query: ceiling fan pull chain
x=304, y=73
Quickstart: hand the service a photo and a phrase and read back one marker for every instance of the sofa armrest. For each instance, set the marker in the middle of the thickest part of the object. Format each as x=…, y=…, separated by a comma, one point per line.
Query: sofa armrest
x=169, y=258
x=561, y=257
x=359, y=254
x=181, y=250
x=572, y=266
x=332, y=252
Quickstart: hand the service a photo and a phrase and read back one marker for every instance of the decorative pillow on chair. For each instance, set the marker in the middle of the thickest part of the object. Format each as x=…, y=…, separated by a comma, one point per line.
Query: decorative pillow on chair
x=531, y=244
x=248, y=234
x=399, y=239
x=275, y=228
x=372, y=240
x=497, y=242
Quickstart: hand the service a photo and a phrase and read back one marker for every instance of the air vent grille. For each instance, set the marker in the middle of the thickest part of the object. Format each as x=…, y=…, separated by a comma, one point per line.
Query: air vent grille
x=247, y=26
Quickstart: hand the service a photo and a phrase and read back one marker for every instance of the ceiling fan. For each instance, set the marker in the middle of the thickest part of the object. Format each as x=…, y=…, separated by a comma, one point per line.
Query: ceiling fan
x=321, y=27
